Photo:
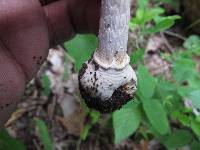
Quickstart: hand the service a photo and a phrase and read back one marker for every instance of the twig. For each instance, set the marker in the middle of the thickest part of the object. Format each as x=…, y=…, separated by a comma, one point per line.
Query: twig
x=78, y=144
x=175, y=35
x=36, y=145
x=170, y=48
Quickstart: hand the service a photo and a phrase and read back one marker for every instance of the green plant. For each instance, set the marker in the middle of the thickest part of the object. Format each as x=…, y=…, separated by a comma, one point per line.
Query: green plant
x=43, y=134
x=93, y=119
x=86, y=43
x=149, y=20
x=9, y=143
x=162, y=101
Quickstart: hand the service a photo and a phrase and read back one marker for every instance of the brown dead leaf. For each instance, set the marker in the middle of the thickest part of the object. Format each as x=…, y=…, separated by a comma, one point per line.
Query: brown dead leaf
x=74, y=123
x=15, y=116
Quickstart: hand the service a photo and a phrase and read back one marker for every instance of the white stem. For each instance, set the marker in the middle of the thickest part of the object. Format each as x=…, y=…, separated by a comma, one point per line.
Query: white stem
x=113, y=34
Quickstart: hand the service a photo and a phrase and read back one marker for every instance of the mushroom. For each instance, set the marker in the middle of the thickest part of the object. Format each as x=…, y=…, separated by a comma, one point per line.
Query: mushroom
x=107, y=81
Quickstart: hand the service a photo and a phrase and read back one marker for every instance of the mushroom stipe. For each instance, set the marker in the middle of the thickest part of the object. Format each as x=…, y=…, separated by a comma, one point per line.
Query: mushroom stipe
x=107, y=81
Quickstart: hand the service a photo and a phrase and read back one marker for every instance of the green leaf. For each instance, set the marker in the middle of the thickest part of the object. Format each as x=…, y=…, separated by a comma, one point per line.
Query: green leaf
x=156, y=115
x=185, y=120
x=178, y=139
x=163, y=23
x=165, y=89
x=183, y=69
x=184, y=90
x=193, y=85
x=193, y=44
x=194, y=96
x=142, y=3
x=85, y=131
x=136, y=56
x=43, y=134
x=195, y=127
x=140, y=15
x=195, y=145
x=152, y=13
x=197, y=119
x=46, y=83
x=9, y=143
x=146, y=83
x=166, y=85
x=143, y=15
x=95, y=116
x=126, y=121
x=81, y=48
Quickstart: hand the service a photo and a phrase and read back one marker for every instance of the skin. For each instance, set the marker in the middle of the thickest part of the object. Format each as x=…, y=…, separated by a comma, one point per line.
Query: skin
x=27, y=31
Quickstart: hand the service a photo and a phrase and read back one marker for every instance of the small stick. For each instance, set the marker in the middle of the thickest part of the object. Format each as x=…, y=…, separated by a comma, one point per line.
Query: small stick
x=175, y=35
x=170, y=48
x=107, y=81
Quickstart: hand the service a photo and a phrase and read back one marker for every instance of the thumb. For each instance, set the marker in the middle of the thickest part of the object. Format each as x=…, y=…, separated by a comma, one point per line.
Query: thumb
x=12, y=84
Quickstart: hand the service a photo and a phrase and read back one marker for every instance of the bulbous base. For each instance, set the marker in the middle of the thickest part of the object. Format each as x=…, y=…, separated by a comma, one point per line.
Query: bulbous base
x=106, y=90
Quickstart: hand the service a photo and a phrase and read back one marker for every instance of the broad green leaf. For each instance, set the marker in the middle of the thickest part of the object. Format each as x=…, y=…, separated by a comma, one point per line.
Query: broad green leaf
x=126, y=121
x=134, y=23
x=197, y=119
x=184, y=90
x=193, y=44
x=185, y=120
x=140, y=15
x=156, y=115
x=162, y=18
x=195, y=145
x=142, y=3
x=146, y=83
x=194, y=96
x=163, y=24
x=183, y=69
x=143, y=15
x=195, y=127
x=166, y=85
x=81, y=48
x=43, y=134
x=193, y=85
x=9, y=143
x=152, y=13
x=165, y=89
x=178, y=139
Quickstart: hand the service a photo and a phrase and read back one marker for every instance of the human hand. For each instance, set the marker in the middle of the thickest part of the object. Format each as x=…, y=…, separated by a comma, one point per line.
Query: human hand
x=27, y=31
